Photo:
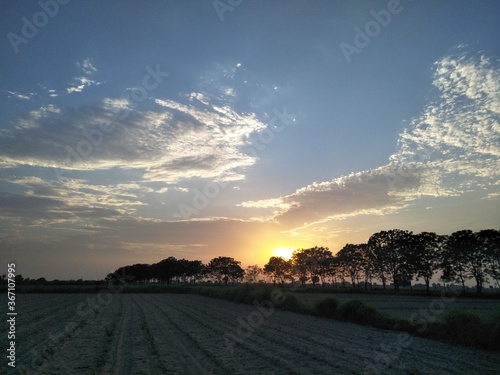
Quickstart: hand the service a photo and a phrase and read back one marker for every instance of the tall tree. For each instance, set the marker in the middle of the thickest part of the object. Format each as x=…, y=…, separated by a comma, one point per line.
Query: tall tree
x=490, y=241
x=312, y=262
x=252, y=273
x=351, y=260
x=166, y=270
x=278, y=269
x=194, y=269
x=426, y=254
x=332, y=269
x=465, y=258
x=367, y=263
x=139, y=272
x=225, y=269
x=390, y=250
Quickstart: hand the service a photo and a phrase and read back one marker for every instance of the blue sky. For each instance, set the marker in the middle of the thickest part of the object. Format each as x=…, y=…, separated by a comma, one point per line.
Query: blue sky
x=133, y=131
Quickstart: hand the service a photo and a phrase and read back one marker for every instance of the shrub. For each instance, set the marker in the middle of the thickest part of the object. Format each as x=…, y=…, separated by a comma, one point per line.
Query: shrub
x=465, y=328
x=326, y=307
x=494, y=329
x=260, y=293
x=357, y=311
x=292, y=303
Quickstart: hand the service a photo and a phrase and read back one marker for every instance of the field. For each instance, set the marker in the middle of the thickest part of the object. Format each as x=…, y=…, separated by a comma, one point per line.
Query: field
x=191, y=334
x=403, y=306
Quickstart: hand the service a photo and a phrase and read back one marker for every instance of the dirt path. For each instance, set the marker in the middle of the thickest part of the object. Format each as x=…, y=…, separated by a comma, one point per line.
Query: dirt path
x=190, y=334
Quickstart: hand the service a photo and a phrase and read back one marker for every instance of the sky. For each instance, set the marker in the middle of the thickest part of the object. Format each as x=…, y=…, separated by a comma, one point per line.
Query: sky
x=134, y=131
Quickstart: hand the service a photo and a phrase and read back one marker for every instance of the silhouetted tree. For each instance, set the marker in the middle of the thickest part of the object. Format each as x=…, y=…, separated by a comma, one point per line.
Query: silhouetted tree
x=490, y=241
x=464, y=258
x=332, y=269
x=426, y=255
x=252, y=273
x=278, y=269
x=367, y=263
x=350, y=258
x=19, y=279
x=390, y=250
x=195, y=270
x=140, y=272
x=312, y=262
x=315, y=280
x=225, y=269
x=165, y=270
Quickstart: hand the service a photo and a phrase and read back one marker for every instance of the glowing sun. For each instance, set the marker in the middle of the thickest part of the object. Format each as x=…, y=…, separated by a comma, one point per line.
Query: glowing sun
x=284, y=252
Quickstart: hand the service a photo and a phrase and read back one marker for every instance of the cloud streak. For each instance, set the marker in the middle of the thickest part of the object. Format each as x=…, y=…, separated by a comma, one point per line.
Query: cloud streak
x=18, y=95
x=453, y=147
x=170, y=142
x=80, y=83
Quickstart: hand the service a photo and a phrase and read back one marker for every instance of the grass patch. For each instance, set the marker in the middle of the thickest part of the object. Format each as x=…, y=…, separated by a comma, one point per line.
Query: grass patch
x=356, y=311
x=250, y=293
x=465, y=327
x=292, y=303
x=494, y=329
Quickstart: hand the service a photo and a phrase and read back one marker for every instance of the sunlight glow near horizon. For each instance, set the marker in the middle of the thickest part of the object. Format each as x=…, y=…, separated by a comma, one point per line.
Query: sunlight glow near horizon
x=284, y=252
x=246, y=138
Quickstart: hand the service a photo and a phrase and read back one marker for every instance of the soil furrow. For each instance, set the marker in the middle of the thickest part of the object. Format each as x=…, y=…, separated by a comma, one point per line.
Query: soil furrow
x=180, y=352
x=277, y=359
x=367, y=348
x=156, y=334
x=281, y=335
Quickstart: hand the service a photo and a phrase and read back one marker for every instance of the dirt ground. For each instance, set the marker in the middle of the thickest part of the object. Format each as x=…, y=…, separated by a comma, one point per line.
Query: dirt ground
x=190, y=334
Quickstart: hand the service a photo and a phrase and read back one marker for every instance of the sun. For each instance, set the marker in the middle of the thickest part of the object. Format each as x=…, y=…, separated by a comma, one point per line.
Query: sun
x=284, y=252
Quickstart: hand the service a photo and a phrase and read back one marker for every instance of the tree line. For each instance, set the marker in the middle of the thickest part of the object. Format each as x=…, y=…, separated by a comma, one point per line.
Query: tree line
x=169, y=270
x=396, y=256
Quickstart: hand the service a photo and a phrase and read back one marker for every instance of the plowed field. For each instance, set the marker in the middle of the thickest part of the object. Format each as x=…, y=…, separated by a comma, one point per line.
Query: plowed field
x=190, y=334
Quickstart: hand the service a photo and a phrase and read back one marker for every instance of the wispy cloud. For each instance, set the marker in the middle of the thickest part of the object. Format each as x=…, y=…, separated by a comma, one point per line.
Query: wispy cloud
x=18, y=95
x=40, y=202
x=453, y=147
x=81, y=82
x=168, y=143
x=87, y=66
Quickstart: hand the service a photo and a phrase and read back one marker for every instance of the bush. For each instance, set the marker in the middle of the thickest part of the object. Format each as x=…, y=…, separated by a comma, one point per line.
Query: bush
x=494, y=329
x=465, y=328
x=326, y=307
x=292, y=303
x=356, y=311
x=260, y=293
